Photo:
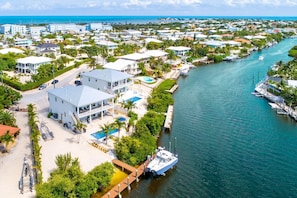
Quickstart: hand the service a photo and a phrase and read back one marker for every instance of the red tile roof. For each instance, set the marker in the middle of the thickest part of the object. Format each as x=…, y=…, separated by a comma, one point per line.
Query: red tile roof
x=4, y=129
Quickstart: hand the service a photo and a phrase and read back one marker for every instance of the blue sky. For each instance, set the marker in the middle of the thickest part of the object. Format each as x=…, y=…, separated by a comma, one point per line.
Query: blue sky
x=150, y=7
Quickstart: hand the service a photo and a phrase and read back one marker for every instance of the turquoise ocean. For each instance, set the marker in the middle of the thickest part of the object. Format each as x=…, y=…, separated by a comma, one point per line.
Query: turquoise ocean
x=31, y=20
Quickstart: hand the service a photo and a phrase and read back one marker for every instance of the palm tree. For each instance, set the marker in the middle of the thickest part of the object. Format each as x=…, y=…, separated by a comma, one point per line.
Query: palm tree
x=6, y=139
x=119, y=125
x=7, y=118
x=106, y=128
x=64, y=162
x=79, y=126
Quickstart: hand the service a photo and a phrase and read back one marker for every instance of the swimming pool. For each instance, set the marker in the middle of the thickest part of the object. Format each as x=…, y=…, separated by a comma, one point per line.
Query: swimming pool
x=122, y=119
x=101, y=134
x=148, y=79
x=133, y=99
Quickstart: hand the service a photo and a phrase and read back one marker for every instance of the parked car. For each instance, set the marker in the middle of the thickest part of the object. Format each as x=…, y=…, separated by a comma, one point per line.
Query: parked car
x=55, y=81
x=43, y=86
x=77, y=82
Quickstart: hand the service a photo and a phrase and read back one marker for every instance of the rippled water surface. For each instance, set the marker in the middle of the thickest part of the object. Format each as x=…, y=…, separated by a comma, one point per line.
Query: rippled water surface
x=230, y=143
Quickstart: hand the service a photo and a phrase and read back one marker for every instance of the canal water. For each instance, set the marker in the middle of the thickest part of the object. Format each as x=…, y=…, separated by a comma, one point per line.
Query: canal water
x=230, y=143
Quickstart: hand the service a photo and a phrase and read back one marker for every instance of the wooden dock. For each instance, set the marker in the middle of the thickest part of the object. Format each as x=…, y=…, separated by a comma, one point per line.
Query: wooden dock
x=169, y=116
x=173, y=89
x=125, y=183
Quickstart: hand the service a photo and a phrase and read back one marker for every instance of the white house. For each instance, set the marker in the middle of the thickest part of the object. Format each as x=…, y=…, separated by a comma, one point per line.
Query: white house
x=122, y=65
x=36, y=30
x=107, y=80
x=13, y=29
x=72, y=103
x=156, y=54
x=179, y=50
x=31, y=64
x=108, y=44
x=46, y=48
x=138, y=57
x=11, y=50
x=22, y=42
x=62, y=27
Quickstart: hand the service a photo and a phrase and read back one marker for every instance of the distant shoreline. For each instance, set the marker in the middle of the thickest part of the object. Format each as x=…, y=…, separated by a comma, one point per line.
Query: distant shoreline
x=27, y=20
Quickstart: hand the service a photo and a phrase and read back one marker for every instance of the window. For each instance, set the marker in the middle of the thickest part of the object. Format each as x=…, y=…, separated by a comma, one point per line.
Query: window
x=55, y=99
x=89, y=79
x=62, y=102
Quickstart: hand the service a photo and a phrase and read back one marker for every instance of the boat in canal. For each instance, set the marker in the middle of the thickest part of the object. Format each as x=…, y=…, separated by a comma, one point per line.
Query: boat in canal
x=163, y=161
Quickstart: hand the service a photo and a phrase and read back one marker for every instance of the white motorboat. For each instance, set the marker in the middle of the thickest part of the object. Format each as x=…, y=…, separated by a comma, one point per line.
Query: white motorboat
x=163, y=161
x=261, y=57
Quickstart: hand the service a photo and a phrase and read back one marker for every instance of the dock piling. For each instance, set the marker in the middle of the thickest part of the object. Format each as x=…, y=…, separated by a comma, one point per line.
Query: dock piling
x=120, y=196
x=137, y=180
x=128, y=183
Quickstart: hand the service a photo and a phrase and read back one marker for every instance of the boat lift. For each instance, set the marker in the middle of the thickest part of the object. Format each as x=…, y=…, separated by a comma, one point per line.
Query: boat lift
x=26, y=181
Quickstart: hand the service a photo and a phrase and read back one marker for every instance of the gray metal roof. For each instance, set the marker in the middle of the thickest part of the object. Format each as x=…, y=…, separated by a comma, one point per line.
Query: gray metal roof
x=80, y=95
x=108, y=75
x=47, y=45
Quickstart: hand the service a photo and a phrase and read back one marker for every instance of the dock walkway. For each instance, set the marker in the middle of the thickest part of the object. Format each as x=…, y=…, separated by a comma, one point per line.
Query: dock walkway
x=173, y=89
x=282, y=108
x=169, y=116
x=125, y=183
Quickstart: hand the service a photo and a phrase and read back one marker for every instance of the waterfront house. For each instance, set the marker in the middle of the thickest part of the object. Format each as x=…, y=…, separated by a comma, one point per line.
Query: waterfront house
x=31, y=64
x=107, y=80
x=179, y=50
x=122, y=65
x=83, y=103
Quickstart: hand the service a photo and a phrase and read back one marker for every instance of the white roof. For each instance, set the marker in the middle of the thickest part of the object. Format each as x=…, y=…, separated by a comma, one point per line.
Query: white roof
x=107, y=75
x=135, y=56
x=34, y=60
x=200, y=36
x=254, y=37
x=213, y=43
x=179, y=48
x=147, y=40
x=155, y=53
x=232, y=43
x=14, y=50
x=292, y=83
x=119, y=64
x=80, y=95
x=106, y=43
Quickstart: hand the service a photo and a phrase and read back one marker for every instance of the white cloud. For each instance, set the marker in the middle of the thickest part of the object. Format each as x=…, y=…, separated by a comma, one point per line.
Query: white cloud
x=6, y=6
x=291, y=2
x=190, y=2
x=91, y=4
x=272, y=2
x=137, y=3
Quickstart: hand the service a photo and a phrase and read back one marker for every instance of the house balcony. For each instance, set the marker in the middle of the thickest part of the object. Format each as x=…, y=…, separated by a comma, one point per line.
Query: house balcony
x=94, y=110
x=119, y=86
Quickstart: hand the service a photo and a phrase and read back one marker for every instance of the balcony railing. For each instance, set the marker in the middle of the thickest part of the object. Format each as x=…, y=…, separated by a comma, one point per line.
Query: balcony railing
x=97, y=109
